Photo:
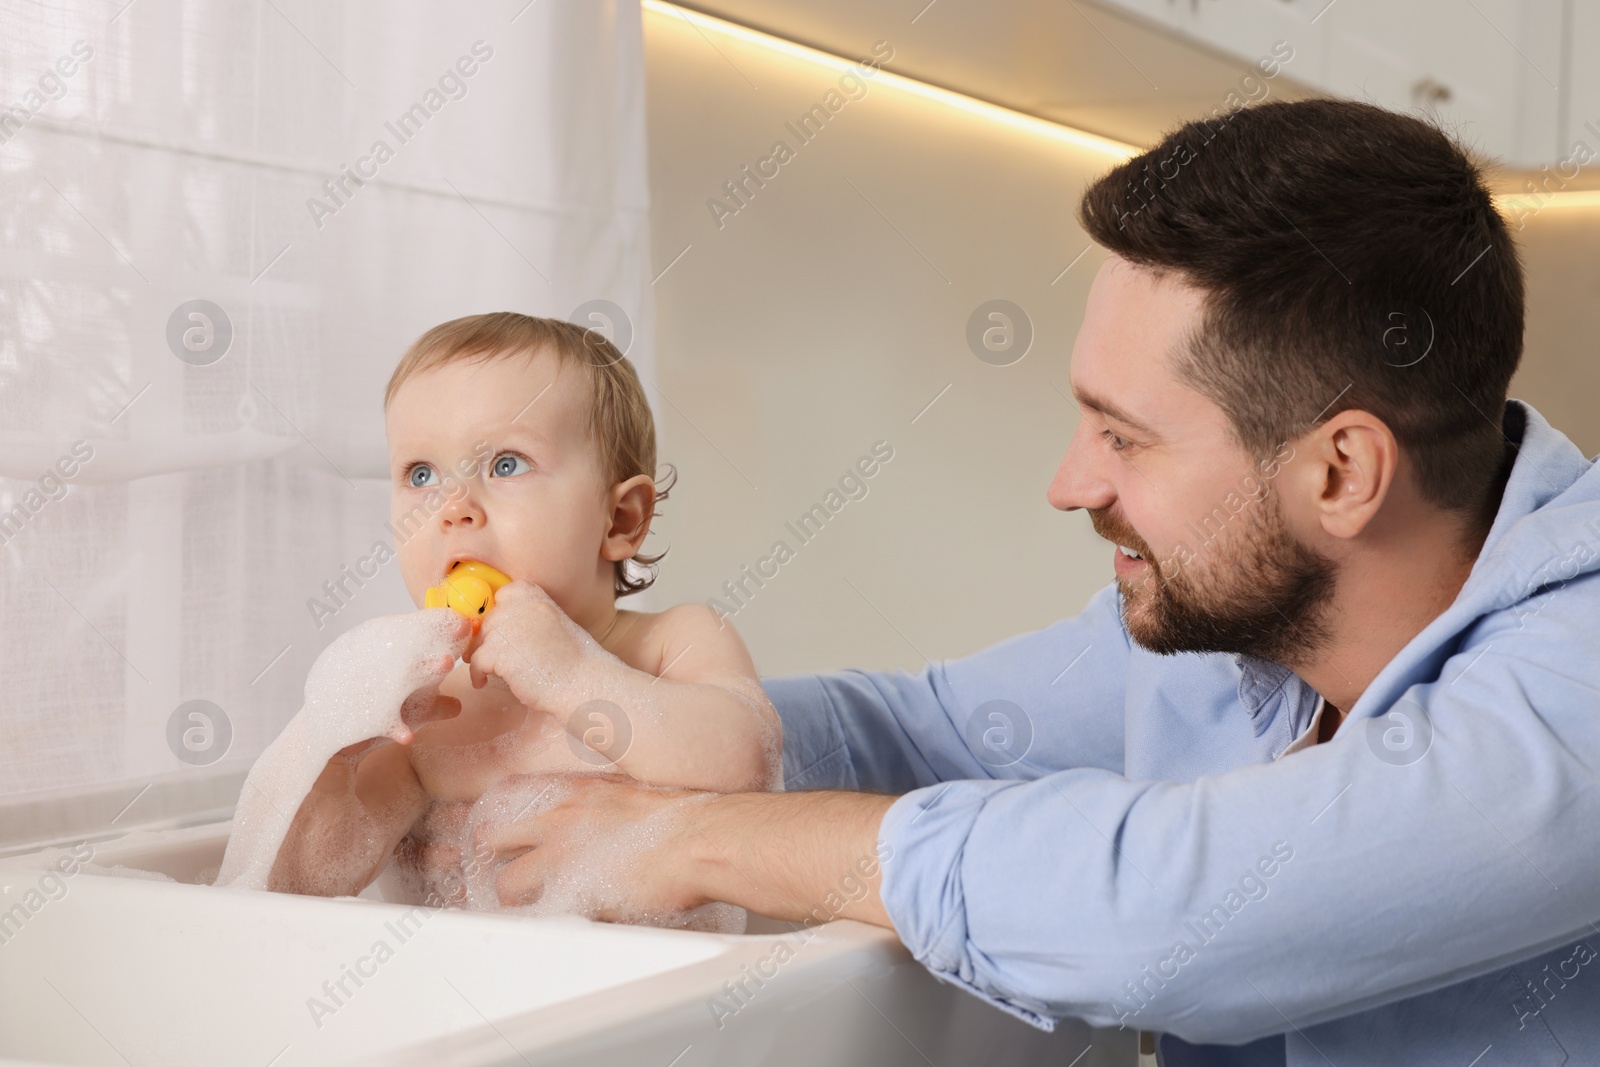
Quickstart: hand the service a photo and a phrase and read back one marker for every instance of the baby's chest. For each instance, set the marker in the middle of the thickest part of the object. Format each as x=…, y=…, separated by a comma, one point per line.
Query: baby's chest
x=493, y=736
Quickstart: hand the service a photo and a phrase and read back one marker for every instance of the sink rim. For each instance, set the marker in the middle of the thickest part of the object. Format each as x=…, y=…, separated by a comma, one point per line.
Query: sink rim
x=820, y=951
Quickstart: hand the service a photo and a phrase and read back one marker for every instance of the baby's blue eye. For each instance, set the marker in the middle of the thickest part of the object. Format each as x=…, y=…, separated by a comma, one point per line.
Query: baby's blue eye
x=506, y=463
x=417, y=477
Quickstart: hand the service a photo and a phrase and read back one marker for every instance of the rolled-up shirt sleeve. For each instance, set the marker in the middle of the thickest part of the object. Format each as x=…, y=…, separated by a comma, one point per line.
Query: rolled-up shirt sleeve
x=1191, y=907
x=1059, y=694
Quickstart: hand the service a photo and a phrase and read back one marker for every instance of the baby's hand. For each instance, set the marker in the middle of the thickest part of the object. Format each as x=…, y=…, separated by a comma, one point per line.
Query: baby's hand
x=529, y=643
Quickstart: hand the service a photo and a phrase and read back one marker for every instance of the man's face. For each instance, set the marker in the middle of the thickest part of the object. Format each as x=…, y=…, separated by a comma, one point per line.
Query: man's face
x=493, y=461
x=1160, y=473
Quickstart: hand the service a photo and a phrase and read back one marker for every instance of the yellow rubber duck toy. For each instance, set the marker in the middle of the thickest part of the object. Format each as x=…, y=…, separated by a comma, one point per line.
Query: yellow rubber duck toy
x=469, y=588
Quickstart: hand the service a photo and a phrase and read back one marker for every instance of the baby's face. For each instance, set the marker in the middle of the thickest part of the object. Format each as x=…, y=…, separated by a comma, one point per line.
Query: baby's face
x=493, y=461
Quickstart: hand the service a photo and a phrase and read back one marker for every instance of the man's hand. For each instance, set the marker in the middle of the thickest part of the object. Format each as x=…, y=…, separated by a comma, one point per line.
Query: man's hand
x=529, y=643
x=580, y=839
x=797, y=856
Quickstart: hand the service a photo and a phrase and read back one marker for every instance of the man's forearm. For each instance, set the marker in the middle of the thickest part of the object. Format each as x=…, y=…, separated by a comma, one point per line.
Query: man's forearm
x=797, y=856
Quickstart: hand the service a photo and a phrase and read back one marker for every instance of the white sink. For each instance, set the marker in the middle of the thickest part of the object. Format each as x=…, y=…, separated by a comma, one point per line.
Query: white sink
x=118, y=970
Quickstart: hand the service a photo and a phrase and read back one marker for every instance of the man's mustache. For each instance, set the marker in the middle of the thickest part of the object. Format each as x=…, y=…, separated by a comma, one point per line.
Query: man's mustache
x=1118, y=532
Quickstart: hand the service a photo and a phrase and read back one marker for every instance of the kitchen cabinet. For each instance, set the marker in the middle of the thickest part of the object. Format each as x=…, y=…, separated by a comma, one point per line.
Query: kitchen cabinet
x=1498, y=73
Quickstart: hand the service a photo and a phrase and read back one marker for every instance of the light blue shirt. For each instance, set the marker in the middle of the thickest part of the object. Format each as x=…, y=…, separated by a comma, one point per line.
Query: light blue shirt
x=1422, y=889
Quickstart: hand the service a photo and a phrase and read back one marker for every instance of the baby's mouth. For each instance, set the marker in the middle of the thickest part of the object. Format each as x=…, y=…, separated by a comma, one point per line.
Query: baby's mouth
x=467, y=586
x=456, y=561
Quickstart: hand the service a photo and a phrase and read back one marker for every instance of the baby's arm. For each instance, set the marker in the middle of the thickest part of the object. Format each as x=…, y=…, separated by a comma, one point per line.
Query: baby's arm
x=694, y=710
x=363, y=803
x=698, y=715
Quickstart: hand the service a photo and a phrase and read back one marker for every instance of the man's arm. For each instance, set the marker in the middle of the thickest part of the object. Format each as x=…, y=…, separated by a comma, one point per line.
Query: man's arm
x=1027, y=706
x=804, y=857
x=800, y=856
x=1450, y=829
x=1338, y=879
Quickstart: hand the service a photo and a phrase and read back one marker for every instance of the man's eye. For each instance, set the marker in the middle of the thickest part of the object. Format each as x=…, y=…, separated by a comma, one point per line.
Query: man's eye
x=1117, y=443
x=418, y=476
x=507, y=464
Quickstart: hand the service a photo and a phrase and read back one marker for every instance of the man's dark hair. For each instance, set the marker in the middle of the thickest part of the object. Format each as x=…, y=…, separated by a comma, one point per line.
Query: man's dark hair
x=1352, y=259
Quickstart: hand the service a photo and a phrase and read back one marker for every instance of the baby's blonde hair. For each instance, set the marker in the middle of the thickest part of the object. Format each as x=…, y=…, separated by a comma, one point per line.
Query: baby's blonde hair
x=620, y=421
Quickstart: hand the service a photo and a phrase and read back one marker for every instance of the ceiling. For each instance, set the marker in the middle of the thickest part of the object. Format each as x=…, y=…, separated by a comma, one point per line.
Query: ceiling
x=1062, y=60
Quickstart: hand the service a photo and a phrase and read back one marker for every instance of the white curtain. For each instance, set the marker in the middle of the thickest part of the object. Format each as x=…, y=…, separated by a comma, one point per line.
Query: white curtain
x=335, y=178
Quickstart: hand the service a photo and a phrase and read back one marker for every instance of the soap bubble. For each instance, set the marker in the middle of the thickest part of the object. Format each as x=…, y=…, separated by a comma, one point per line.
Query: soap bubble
x=199, y=732
x=598, y=879
x=429, y=866
x=358, y=689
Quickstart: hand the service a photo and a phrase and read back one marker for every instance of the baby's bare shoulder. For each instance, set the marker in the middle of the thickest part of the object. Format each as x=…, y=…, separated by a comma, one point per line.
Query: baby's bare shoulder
x=688, y=643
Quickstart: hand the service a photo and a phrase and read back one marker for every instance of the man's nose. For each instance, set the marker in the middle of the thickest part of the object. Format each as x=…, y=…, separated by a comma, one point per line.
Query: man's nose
x=1080, y=482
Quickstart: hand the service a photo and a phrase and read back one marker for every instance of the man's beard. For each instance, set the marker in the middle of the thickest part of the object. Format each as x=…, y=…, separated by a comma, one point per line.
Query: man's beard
x=1251, y=589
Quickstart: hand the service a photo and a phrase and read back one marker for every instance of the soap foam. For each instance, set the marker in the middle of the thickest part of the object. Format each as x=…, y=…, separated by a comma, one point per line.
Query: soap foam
x=596, y=880
x=117, y=870
x=364, y=685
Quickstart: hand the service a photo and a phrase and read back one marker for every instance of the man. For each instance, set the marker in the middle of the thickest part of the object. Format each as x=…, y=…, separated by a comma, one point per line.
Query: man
x=1314, y=780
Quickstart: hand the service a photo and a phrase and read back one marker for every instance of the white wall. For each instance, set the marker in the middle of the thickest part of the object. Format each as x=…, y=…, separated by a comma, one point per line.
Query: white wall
x=1560, y=372
x=809, y=326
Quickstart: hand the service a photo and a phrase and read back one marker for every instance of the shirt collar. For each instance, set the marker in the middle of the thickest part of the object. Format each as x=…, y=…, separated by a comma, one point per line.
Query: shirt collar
x=1259, y=679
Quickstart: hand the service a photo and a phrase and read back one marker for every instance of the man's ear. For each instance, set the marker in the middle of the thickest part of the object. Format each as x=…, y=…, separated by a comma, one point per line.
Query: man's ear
x=1348, y=466
x=633, y=505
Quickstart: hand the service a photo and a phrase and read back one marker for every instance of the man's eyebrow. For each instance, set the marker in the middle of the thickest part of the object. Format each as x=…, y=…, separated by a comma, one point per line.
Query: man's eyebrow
x=1111, y=410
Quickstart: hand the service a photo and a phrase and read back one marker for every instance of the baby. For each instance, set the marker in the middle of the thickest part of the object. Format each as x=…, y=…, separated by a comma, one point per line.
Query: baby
x=527, y=444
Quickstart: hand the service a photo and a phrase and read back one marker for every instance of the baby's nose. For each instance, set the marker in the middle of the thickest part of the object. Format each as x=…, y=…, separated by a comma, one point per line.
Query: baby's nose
x=462, y=510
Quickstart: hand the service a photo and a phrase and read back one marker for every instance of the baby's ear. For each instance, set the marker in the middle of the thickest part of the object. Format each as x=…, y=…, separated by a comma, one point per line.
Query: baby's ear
x=633, y=505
